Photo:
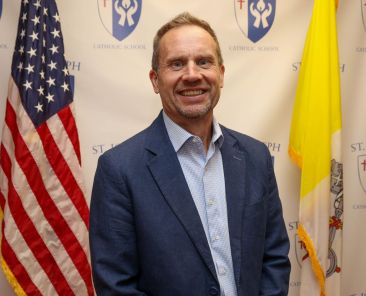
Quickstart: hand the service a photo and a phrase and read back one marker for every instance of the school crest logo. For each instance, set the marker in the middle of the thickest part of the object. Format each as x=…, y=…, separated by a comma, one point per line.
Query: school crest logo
x=361, y=160
x=300, y=251
x=363, y=10
x=120, y=17
x=255, y=17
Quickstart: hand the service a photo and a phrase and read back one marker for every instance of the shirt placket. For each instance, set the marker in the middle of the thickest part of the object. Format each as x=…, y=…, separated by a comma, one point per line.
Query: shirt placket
x=216, y=229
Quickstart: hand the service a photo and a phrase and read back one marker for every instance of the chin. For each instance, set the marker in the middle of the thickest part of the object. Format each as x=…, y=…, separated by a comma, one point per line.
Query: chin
x=195, y=113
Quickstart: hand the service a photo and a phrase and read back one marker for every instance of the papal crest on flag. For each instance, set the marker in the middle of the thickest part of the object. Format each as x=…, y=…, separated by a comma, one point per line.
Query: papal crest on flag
x=255, y=17
x=315, y=146
x=120, y=17
x=43, y=210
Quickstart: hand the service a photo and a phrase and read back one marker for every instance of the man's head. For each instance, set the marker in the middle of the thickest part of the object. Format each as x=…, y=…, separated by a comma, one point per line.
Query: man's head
x=188, y=72
x=180, y=20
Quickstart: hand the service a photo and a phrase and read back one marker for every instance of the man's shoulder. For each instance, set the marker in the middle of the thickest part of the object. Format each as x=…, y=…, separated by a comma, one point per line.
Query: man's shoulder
x=247, y=142
x=257, y=155
x=133, y=150
x=129, y=147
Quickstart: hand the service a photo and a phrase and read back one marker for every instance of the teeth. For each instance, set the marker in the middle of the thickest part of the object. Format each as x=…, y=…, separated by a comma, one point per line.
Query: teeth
x=192, y=92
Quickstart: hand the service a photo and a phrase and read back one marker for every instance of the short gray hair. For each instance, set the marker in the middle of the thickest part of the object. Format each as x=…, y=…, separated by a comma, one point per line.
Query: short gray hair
x=180, y=20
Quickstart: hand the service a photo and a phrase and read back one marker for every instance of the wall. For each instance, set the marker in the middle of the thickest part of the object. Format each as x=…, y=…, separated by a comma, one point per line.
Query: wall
x=114, y=98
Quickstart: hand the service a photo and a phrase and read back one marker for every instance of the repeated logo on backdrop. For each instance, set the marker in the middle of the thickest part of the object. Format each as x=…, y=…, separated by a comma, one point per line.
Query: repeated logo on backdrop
x=300, y=250
x=120, y=17
x=359, y=148
x=255, y=17
x=361, y=163
x=363, y=10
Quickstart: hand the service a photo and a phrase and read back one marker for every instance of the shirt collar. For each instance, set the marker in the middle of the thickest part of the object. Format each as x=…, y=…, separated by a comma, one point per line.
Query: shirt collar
x=178, y=135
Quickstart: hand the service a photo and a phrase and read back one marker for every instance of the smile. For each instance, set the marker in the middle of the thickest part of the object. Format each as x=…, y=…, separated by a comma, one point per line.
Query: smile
x=190, y=93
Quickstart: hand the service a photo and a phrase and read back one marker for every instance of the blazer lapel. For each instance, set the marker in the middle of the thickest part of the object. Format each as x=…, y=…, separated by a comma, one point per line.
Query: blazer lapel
x=167, y=173
x=234, y=163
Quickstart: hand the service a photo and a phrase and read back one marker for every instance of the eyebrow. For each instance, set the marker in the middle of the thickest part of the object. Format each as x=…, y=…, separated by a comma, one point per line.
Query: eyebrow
x=183, y=57
x=175, y=58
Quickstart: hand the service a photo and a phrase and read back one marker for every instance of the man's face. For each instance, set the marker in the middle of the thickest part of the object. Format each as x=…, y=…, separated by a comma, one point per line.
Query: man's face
x=189, y=77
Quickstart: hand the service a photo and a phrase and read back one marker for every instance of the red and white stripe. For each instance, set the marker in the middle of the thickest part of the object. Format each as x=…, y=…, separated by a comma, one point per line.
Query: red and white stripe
x=45, y=213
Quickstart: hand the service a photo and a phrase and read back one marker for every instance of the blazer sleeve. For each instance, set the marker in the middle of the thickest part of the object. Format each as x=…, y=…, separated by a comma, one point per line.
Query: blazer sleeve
x=276, y=264
x=112, y=235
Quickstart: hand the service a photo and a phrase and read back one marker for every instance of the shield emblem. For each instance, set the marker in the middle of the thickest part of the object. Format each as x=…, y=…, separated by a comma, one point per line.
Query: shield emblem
x=255, y=17
x=361, y=159
x=363, y=10
x=119, y=17
x=300, y=250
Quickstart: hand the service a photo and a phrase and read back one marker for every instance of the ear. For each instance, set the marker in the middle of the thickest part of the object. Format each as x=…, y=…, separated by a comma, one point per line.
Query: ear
x=154, y=80
x=222, y=72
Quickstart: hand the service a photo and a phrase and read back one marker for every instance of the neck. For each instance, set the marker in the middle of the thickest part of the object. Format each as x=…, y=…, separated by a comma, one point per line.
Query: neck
x=200, y=127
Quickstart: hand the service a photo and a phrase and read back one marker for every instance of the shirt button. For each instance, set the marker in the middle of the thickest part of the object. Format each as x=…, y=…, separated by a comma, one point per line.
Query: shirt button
x=216, y=238
x=213, y=291
x=211, y=201
x=222, y=271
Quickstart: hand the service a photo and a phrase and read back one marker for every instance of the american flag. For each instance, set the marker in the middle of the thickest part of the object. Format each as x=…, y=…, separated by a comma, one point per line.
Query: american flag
x=44, y=237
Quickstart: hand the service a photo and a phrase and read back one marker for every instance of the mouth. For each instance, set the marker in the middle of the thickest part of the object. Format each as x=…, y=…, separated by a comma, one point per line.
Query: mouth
x=191, y=93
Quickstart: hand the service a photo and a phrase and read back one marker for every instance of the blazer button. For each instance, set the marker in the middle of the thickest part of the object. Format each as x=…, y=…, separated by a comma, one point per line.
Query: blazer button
x=213, y=291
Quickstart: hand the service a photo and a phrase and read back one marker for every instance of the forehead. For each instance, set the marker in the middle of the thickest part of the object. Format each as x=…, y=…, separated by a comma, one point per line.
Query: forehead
x=187, y=38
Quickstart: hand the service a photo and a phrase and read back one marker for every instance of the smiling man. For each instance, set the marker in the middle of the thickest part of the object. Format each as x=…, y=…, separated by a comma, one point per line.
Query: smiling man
x=187, y=206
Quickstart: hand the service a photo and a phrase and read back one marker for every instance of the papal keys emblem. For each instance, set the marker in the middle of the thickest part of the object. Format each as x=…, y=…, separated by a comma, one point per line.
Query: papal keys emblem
x=120, y=17
x=255, y=17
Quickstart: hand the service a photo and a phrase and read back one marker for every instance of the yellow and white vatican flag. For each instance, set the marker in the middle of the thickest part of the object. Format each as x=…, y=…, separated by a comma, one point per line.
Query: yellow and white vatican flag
x=315, y=146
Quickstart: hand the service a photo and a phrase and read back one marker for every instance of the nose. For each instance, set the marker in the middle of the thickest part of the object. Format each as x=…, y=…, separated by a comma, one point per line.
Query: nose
x=192, y=72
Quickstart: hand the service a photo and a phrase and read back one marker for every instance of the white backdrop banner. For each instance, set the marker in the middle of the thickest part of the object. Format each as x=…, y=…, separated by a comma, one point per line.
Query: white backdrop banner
x=109, y=56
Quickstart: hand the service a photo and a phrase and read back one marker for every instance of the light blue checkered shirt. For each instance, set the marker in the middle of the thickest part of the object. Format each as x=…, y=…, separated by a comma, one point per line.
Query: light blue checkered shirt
x=204, y=174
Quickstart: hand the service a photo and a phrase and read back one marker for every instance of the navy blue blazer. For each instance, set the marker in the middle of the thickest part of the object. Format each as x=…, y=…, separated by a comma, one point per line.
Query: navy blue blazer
x=146, y=236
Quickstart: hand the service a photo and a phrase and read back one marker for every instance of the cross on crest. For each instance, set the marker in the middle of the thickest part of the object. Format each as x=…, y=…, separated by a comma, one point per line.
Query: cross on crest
x=364, y=164
x=241, y=4
x=363, y=10
x=361, y=165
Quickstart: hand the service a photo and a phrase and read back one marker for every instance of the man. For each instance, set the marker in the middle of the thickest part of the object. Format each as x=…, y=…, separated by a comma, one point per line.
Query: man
x=187, y=207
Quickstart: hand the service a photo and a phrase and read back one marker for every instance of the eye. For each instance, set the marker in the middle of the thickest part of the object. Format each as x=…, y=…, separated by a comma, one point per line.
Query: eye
x=204, y=63
x=176, y=65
